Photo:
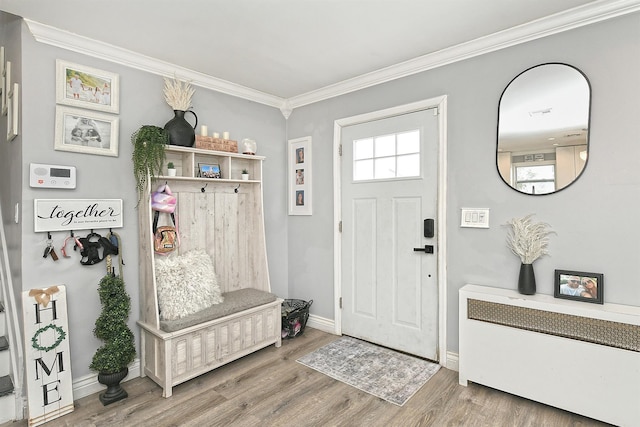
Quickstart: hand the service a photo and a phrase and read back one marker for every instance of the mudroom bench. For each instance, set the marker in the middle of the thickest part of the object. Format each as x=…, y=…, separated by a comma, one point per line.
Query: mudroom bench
x=224, y=218
x=181, y=349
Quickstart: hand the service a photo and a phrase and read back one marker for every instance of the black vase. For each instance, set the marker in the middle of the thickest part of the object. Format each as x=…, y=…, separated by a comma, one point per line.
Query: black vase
x=527, y=280
x=180, y=131
x=114, y=390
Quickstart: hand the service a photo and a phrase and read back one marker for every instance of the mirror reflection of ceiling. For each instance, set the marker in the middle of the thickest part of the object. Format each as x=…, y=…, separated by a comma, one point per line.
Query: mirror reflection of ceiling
x=545, y=106
x=543, y=129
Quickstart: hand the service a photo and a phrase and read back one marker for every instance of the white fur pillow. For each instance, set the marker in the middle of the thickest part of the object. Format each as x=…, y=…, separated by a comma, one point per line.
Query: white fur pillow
x=186, y=284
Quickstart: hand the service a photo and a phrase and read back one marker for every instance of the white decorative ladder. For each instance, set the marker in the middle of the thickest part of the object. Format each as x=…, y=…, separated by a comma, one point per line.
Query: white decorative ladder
x=11, y=353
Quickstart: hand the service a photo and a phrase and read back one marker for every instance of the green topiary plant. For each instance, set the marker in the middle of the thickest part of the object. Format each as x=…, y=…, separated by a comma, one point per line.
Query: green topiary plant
x=148, y=155
x=111, y=327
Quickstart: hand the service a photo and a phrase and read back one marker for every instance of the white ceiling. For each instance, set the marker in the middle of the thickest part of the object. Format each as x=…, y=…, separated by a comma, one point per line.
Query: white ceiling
x=288, y=48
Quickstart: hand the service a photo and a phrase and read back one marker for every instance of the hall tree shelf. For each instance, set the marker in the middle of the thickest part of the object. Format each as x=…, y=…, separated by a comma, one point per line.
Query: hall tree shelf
x=187, y=161
x=224, y=217
x=577, y=356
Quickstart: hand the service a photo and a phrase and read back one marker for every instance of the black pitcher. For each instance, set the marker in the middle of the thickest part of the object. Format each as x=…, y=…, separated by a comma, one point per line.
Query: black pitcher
x=180, y=131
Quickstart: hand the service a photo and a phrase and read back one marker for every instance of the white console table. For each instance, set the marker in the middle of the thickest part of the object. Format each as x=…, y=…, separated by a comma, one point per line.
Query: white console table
x=581, y=357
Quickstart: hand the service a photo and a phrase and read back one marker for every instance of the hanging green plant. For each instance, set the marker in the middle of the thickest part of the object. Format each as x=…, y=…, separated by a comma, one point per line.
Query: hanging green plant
x=148, y=155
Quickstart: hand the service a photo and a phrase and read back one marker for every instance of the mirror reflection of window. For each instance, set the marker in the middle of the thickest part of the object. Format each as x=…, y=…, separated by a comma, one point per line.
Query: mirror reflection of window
x=536, y=179
x=543, y=120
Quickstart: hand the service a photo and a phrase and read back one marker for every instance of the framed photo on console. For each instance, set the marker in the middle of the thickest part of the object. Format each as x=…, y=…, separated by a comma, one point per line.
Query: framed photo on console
x=579, y=286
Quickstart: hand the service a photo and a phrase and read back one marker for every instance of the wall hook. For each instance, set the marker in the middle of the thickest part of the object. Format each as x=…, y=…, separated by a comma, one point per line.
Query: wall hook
x=235, y=190
x=205, y=186
x=48, y=235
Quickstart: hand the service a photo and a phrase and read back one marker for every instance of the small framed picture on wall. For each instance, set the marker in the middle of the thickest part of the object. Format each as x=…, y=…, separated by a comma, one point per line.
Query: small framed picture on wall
x=87, y=87
x=86, y=131
x=299, y=176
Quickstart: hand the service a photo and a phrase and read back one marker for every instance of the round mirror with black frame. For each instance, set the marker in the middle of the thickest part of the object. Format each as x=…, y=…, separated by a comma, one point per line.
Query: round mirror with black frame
x=543, y=129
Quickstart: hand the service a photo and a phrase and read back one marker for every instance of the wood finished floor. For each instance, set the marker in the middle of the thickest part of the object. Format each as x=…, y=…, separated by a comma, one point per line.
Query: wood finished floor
x=269, y=388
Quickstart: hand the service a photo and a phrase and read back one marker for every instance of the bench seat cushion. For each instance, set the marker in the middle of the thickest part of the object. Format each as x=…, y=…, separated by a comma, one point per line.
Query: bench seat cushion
x=234, y=301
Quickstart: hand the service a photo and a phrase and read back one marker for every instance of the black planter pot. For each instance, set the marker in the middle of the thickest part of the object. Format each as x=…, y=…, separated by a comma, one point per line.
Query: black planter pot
x=180, y=131
x=114, y=390
x=527, y=280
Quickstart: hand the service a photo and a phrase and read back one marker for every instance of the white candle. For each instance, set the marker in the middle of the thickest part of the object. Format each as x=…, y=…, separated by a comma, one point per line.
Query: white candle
x=216, y=135
x=204, y=130
x=225, y=135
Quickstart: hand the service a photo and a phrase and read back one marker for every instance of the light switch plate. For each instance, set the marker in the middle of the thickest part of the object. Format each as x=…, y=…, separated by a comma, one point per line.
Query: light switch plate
x=474, y=217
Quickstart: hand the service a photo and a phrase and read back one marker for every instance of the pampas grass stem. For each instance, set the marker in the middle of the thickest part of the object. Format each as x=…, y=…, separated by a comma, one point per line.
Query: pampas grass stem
x=527, y=239
x=178, y=94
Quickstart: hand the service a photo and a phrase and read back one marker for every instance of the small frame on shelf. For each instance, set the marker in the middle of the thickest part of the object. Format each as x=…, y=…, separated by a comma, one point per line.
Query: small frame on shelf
x=209, y=171
x=579, y=286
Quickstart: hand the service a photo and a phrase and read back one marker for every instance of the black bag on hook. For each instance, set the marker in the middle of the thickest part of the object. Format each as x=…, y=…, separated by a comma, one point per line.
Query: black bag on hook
x=95, y=248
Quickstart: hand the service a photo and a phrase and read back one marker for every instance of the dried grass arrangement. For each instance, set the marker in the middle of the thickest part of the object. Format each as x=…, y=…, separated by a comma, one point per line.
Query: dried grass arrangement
x=178, y=94
x=527, y=239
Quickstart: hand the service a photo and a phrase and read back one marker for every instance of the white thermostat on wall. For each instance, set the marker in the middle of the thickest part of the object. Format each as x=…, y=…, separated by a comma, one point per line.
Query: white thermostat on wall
x=52, y=176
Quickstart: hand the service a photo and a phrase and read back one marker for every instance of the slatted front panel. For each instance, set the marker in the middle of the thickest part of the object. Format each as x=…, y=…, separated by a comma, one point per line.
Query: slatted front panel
x=216, y=345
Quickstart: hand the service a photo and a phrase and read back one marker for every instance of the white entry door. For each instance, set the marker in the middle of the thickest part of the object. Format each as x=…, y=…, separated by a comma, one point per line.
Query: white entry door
x=389, y=187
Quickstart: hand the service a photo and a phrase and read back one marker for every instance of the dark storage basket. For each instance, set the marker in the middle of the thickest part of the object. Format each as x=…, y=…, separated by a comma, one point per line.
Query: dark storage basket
x=295, y=313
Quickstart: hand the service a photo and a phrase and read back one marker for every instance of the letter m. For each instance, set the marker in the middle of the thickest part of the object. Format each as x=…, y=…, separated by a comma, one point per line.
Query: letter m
x=57, y=360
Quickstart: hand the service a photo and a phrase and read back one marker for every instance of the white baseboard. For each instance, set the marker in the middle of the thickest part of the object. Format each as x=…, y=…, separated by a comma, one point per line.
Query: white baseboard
x=321, y=323
x=452, y=361
x=87, y=385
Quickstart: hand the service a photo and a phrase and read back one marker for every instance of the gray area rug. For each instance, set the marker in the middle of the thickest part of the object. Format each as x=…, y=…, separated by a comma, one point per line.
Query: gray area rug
x=385, y=373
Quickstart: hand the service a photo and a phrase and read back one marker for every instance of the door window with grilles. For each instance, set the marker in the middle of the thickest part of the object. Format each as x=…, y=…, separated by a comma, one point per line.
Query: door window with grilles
x=387, y=156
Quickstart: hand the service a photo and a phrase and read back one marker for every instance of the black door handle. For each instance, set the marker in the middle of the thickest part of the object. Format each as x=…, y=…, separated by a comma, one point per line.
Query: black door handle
x=428, y=249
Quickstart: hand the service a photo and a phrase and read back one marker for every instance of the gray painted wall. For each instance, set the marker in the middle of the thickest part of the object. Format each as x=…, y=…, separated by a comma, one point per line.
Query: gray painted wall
x=141, y=102
x=594, y=218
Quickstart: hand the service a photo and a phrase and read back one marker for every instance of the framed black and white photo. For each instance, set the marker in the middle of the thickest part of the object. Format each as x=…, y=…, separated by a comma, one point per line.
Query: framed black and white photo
x=579, y=286
x=209, y=171
x=87, y=87
x=85, y=131
x=299, y=176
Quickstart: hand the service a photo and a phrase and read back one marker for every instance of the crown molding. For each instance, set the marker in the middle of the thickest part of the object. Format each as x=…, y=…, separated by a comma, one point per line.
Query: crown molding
x=557, y=23
x=574, y=18
x=97, y=49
